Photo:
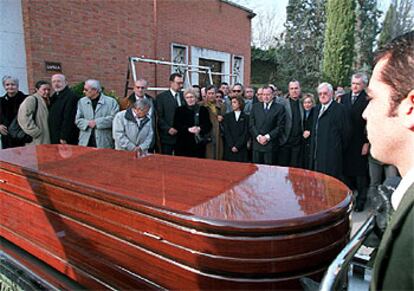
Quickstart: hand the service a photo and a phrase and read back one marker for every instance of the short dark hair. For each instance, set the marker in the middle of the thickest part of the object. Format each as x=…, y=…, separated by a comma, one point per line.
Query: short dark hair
x=220, y=92
x=209, y=87
x=224, y=83
x=241, y=102
x=398, y=71
x=174, y=75
x=40, y=83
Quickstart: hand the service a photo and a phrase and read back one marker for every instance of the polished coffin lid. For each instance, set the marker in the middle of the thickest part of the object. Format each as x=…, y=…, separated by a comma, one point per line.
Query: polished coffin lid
x=205, y=193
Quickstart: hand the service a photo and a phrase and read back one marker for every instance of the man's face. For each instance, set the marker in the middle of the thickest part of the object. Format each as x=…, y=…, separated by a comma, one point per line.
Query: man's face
x=357, y=85
x=11, y=87
x=267, y=95
x=249, y=93
x=225, y=89
x=58, y=83
x=325, y=95
x=89, y=91
x=294, y=90
x=211, y=95
x=139, y=88
x=141, y=112
x=177, y=84
x=259, y=94
x=383, y=128
x=237, y=91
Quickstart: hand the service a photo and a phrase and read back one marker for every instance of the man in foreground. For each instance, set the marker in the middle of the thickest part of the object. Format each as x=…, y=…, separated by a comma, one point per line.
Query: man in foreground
x=390, y=125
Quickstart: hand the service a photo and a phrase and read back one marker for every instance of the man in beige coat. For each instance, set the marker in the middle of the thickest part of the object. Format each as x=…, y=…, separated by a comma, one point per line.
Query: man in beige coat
x=37, y=128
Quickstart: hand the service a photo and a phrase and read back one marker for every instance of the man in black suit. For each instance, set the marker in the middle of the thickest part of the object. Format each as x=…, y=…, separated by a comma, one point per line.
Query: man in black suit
x=166, y=104
x=291, y=139
x=267, y=121
x=329, y=135
x=62, y=113
x=390, y=126
x=356, y=154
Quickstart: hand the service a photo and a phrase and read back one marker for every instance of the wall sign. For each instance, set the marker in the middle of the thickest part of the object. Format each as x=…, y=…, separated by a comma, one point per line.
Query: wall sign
x=53, y=67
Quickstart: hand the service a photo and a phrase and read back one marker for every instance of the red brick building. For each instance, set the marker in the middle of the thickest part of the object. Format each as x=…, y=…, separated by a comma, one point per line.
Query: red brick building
x=93, y=39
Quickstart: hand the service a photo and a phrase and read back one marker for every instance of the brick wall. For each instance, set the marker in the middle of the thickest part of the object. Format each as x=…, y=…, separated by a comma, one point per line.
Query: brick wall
x=93, y=39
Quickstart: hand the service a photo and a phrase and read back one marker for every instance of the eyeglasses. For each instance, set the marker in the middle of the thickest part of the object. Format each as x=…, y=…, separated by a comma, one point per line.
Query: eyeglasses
x=236, y=91
x=140, y=87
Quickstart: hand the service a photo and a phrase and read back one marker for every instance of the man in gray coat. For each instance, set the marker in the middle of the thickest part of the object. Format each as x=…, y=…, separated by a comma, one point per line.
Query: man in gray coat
x=95, y=115
x=132, y=129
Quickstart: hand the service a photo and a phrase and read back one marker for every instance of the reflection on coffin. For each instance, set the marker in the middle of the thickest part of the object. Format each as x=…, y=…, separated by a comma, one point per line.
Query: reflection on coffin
x=109, y=220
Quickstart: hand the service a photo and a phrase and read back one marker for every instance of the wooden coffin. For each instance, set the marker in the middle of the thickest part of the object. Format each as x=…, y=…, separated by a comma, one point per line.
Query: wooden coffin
x=107, y=219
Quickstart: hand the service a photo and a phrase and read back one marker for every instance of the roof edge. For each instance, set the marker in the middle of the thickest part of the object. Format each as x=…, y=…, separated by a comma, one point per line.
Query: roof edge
x=249, y=11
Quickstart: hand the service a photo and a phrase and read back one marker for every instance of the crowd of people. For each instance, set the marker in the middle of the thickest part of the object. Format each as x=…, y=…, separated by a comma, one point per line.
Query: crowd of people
x=230, y=123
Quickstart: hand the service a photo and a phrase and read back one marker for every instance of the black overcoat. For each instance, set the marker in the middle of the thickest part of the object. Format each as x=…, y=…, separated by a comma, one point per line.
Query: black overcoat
x=166, y=105
x=354, y=163
x=329, y=138
x=62, y=114
x=8, y=111
x=184, y=118
x=236, y=134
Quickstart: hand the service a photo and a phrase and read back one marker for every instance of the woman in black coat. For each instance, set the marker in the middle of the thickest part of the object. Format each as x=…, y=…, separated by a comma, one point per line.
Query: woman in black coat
x=236, y=132
x=308, y=106
x=9, y=106
x=188, y=128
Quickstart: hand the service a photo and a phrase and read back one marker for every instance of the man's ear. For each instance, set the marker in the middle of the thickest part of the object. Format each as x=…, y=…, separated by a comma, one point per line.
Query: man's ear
x=407, y=110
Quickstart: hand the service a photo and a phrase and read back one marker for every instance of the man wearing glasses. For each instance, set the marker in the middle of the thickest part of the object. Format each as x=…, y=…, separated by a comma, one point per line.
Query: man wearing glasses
x=166, y=104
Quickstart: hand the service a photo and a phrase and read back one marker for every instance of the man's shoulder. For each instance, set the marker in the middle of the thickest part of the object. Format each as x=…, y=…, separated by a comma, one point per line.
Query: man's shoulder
x=164, y=94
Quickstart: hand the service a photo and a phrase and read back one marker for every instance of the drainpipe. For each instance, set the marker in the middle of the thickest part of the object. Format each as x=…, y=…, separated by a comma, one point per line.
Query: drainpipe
x=155, y=41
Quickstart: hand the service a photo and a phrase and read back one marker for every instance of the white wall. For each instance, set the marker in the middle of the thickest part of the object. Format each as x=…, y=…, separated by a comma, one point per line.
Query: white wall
x=12, y=46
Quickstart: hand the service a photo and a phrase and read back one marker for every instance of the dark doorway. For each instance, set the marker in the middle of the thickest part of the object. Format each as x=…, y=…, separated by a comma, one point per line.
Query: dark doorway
x=215, y=67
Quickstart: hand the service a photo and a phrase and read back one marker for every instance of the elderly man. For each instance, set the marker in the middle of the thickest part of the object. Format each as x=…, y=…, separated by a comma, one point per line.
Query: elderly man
x=356, y=154
x=94, y=116
x=140, y=87
x=9, y=106
x=248, y=100
x=329, y=134
x=62, y=112
x=132, y=129
x=390, y=126
x=167, y=102
x=291, y=139
x=267, y=121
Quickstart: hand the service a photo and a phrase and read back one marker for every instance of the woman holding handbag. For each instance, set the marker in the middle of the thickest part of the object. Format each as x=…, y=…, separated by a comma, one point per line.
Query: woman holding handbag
x=193, y=127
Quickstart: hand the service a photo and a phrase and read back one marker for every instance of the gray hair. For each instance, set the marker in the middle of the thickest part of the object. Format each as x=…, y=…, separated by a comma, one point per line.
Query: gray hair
x=142, y=103
x=327, y=85
x=61, y=76
x=11, y=78
x=142, y=80
x=361, y=76
x=95, y=84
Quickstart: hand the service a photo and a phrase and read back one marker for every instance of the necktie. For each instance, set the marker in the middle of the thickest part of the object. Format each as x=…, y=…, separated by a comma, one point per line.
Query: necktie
x=177, y=99
x=353, y=99
x=267, y=107
x=321, y=111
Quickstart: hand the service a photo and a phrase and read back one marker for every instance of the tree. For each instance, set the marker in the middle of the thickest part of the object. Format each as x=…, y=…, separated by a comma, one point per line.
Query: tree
x=399, y=19
x=366, y=31
x=339, y=42
x=299, y=52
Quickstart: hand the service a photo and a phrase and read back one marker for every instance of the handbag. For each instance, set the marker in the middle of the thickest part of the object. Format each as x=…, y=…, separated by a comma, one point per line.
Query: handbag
x=17, y=133
x=200, y=139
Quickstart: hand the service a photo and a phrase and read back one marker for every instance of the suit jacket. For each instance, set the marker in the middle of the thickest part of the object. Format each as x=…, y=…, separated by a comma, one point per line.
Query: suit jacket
x=62, y=113
x=394, y=263
x=354, y=163
x=329, y=137
x=236, y=133
x=288, y=123
x=272, y=123
x=103, y=115
x=166, y=106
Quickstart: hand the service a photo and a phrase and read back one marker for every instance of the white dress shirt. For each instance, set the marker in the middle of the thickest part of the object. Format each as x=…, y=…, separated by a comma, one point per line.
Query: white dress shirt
x=402, y=188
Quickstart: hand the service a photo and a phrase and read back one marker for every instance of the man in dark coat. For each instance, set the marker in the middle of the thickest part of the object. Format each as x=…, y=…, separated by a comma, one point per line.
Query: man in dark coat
x=167, y=102
x=62, y=113
x=9, y=106
x=329, y=135
x=267, y=121
x=356, y=154
x=390, y=126
x=291, y=140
